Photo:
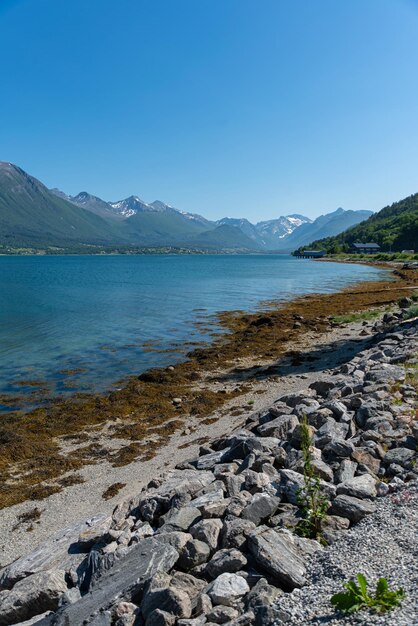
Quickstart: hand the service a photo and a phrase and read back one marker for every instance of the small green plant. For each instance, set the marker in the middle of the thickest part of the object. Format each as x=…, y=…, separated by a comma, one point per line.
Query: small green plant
x=357, y=596
x=411, y=312
x=310, y=498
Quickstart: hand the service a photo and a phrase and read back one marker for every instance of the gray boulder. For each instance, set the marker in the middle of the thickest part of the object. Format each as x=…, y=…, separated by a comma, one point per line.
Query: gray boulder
x=323, y=386
x=279, y=428
x=225, y=560
x=292, y=482
x=158, y=617
x=330, y=431
x=160, y=594
x=338, y=448
x=261, y=507
x=400, y=456
x=235, y=532
x=31, y=596
x=194, y=553
x=52, y=554
x=126, y=578
x=95, y=530
x=175, y=538
x=363, y=486
x=353, y=509
x=222, y=614
x=207, y=530
x=228, y=589
x=346, y=470
x=44, y=619
x=207, y=498
x=196, y=621
x=275, y=552
x=385, y=373
x=208, y=461
x=180, y=519
x=262, y=600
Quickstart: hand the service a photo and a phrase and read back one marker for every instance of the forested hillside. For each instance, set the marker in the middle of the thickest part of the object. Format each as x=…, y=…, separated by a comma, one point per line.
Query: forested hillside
x=394, y=228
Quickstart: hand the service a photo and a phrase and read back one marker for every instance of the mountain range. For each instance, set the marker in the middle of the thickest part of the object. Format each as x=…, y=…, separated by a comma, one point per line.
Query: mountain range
x=31, y=215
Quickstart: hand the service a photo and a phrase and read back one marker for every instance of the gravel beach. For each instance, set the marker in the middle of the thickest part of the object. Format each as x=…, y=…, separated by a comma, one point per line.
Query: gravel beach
x=381, y=545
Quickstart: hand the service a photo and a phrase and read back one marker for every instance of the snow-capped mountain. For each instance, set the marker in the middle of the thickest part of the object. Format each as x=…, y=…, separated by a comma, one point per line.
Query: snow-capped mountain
x=130, y=206
x=268, y=234
x=273, y=232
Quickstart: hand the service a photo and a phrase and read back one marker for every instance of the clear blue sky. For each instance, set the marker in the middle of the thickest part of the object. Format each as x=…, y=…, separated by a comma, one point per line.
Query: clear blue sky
x=251, y=108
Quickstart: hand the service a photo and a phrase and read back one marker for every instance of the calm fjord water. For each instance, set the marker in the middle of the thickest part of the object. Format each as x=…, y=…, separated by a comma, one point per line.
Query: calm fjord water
x=95, y=313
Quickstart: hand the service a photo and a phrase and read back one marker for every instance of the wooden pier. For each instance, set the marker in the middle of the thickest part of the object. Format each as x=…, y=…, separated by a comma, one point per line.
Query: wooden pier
x=310, y=254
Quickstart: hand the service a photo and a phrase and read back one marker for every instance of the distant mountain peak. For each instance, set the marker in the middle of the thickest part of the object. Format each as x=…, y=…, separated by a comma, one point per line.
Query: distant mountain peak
x=130, y=206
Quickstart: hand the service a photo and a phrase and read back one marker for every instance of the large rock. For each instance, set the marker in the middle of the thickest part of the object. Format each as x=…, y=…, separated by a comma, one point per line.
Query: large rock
x=292, y=482
x=190, y=584
x=206, y=499
x=235, y=532
x=364, y=456
x=52, y=554
x=157, y=500
x=330, y=431
x=160, y=594
x=353, y=509
x=360, y=487
x=298, y=397
x=323, y=386
x=400, y=456
x=94, y=531
x=280, y=427
x=385, y=373
x=346, y=470
x=208, y=461
x=126, y=578
x=225, y=560
x=44, y=619
x=338, y=448
x=180, y=519
x=262, y=599
x=261, y=507
x=222, y=615
x=207, y=530
x=158, y=617
x=276, y=553
x=31, y=596
x=194, y=553
x=176, y=539
x=228, y=589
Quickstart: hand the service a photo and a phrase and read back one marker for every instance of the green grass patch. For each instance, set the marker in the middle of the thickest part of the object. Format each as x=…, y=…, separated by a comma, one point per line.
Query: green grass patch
x=356, y=317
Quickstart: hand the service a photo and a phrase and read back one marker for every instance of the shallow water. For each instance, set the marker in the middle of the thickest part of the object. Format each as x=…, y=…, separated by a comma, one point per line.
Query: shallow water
x=94, y=314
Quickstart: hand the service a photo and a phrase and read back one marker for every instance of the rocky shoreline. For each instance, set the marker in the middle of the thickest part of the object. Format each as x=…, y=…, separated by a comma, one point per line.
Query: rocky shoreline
x=213, y=541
